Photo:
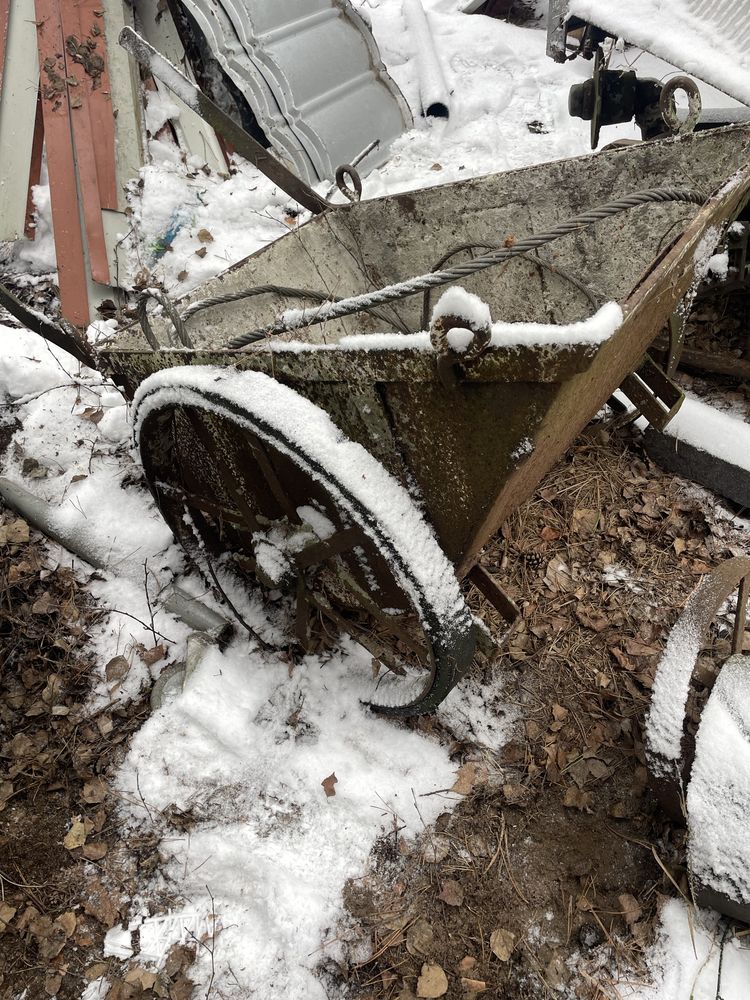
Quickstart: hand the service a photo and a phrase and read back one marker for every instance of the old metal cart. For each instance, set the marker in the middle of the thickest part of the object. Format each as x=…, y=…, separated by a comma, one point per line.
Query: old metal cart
x=288, y=415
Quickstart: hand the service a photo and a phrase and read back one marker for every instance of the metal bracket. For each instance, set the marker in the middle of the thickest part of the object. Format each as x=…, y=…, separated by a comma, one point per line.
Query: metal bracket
x=653, y=393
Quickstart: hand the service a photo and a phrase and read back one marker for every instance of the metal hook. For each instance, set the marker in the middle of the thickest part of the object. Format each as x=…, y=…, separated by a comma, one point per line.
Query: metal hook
x=353, y=193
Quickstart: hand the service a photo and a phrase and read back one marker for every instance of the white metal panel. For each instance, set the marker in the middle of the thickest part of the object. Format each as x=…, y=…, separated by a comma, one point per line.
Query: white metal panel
x=125, y=85
x=196, y=136
x=709, y=39
x=17, y=113
x=313, y=75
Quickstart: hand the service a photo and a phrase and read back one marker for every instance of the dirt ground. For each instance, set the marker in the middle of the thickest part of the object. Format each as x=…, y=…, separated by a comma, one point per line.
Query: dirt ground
x=558, y=853
x=548, y=874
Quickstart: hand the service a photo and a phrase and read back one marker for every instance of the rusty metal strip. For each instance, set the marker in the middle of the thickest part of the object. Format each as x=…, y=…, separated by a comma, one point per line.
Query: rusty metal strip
x=35, y=168
x=740, y=615
x=101, y=111
x=85, y=143
x=71, y=261
x=491, y=590
x=4, y=22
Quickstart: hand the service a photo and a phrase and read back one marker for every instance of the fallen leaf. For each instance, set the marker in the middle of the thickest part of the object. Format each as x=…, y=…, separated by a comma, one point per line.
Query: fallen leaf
x=433, y=981
x=436, y=849
x=467, y=776
x=201, y=252
x=92, y=413
x=95, y=851
x=473, y=985
x=76, y=836
x=52, y=984
x=182, y=276
x=436, y=166
x=7, y=912
x=328, y=784
x=585, y=521
x=15, y=533
x=517, y=795
x=116, y=668
x=182, y=988
x=153, y=655
x=631, y=908
x=501, y=943
x=467, y=963
x=94, y=791
x=99, y=904
x=452, y=894
x=419, y=937
x=205, y=236
x=577, y=799
x=95, y=971
x=67, y=921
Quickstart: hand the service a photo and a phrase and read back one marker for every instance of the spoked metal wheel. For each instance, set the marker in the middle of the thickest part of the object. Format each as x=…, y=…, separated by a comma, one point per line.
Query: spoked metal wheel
x=240, y=464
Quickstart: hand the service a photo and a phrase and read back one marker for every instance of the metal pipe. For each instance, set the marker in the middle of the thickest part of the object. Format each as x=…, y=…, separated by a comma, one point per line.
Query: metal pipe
x=433, y=90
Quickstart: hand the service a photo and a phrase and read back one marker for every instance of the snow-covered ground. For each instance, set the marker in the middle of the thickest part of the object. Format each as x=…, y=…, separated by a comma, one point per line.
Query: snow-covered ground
x=247, y=746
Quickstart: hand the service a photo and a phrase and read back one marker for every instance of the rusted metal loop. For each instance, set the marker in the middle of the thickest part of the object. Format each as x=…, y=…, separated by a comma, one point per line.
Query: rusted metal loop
x=668, y=107
x=183, y=337
x=354, y=192
x=439, y=338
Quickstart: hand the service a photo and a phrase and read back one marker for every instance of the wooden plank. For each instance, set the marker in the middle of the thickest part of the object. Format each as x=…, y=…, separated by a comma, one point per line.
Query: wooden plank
x=647, y=311
x=71, y=260
x=81, y=65
x=17, y=105
x=4, y=24
x=35, y=168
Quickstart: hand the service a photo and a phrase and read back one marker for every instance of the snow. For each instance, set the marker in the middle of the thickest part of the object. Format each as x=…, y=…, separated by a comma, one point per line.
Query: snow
x=718, y=795
x=721, y=434
x=670, y=694
x=456, y=301
x=684, y=962
x=721, y=26
x=593, y=330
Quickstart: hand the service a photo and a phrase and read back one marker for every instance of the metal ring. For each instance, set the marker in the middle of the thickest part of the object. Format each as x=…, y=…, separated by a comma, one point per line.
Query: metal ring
x=353, y=193
x=668, y=107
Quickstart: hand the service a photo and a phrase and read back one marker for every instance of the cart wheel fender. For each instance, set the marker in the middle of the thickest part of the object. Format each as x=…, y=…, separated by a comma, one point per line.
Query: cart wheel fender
x=363, y=488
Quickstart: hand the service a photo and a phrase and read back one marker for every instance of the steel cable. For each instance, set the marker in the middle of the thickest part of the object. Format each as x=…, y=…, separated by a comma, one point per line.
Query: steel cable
x=392, y=293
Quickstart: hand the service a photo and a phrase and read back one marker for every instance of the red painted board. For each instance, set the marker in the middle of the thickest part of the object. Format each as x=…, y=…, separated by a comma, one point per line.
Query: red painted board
x=79, y=103
x=71, y=261
x=101, y=112
x=35, y=169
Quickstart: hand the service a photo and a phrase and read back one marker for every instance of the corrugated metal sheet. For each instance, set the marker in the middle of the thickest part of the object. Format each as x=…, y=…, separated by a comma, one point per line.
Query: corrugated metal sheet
x=710, y=39
x=312, y=74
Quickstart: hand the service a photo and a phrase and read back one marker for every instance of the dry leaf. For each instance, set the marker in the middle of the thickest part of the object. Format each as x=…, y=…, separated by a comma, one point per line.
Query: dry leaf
x=52, y=984
x=585, y=521
x=452, y=894
x=7, y=912
x=467, y=963
x=467, y=776
x=15, y=533
x=76, y=836
x=116, y=669
x=501, y=943
x=576, y=799
x=473, y=985
x=419, y=937
x=328, y=784
x=94, y=791
x=631, y=908
x=433, y=982
x=181, y=988
x=205, y=236
x=99, y=904
x=182, y=276
x=67, y=921
x=95, y=851
x=153, y=655
x=201, y=252
x=436, y=849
